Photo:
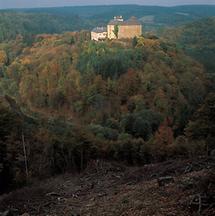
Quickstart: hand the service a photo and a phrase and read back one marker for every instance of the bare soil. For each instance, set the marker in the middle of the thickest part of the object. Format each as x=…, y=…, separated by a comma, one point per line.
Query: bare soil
x=112, y=189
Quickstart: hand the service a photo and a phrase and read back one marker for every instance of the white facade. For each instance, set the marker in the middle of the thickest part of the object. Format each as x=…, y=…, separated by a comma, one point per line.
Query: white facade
x=99, y=33
x=98, y=36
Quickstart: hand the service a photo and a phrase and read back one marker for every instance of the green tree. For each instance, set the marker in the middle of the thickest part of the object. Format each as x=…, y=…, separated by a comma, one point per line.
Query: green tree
x=134, y=42
x=116, y=31
x=202, y=126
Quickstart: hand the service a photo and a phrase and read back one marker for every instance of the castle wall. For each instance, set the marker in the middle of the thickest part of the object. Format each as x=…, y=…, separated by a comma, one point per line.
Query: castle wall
x=98, y=36
x=129, y=31
x=125, y=31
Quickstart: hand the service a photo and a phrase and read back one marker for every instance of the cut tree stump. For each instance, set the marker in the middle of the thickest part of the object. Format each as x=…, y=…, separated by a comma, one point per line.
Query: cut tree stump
x=200, y=202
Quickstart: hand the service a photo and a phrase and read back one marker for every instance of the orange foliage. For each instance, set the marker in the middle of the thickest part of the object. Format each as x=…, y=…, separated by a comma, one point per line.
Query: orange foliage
x=164, y=135
x=129, y=83
x=3, y=57
x=164, y=138
x=147, y=42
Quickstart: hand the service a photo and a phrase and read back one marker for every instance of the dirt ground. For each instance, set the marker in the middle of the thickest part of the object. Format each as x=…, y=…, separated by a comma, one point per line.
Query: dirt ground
x=111, y=189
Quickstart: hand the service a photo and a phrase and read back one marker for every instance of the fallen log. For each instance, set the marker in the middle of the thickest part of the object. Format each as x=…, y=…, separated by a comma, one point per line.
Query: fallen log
x=162, y=181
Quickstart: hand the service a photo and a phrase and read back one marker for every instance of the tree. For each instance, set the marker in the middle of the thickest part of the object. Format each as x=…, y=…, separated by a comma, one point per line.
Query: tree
x=164, y=136
x=202, y=126
x=134, y=42
x=116, y=31
x=11, y=154
x=141, y=125
x=3, y=58
x=142, y=128
x=163, y=140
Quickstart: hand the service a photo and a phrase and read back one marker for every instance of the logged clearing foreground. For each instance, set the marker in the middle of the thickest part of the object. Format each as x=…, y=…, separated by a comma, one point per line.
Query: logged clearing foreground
x=112, y=189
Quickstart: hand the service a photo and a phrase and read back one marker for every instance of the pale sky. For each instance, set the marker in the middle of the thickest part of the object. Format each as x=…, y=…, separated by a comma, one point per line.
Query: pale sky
x=54, y=3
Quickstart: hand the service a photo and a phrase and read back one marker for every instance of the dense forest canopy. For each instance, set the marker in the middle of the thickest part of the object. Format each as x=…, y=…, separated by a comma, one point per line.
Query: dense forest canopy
x=13, y=24
x=66, y=99
x=197, y=39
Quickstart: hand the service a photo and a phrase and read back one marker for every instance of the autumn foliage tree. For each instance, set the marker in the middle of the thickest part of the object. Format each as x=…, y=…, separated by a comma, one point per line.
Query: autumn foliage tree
x=163, y=140
x=109, y=99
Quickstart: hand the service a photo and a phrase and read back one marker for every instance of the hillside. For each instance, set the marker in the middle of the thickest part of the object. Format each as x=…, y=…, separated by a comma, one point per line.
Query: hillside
x=69, y=100
x=197, y=39
x=62, y=72
x=113, y=189
x=97, y=128
x=13, y=24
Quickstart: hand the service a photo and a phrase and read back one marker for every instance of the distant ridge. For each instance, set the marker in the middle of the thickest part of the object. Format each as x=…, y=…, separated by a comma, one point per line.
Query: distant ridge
x=76, y=18
x=107, y=6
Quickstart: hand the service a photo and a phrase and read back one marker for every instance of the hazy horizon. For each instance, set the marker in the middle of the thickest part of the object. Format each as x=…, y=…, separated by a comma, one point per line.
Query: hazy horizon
x=63, y=3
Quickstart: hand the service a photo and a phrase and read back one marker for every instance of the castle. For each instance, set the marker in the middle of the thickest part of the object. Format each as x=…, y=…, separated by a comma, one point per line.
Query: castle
x=118, y=29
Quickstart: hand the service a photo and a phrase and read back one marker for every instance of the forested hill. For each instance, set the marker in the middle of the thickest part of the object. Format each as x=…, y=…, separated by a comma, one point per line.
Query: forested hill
x=68, y=100
x=29, y=22
x=106, y=12
x=13, y=24
x=197, y=39
x=120, y=100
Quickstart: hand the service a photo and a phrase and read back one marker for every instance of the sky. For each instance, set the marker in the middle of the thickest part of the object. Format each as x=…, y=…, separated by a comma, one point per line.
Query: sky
x=54, y=3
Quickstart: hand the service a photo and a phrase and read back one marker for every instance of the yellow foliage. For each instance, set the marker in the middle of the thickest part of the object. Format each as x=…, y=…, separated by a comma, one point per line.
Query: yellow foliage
x=25, y=61
x=3, y=57
x=144, y=42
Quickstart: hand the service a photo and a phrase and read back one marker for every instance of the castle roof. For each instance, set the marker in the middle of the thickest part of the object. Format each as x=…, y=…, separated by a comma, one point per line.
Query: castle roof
x=132, y=21
x=99, y=29
x=115, y=22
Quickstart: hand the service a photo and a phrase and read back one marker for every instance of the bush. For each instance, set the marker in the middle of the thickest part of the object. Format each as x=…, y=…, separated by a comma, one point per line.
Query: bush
x=130, y=151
